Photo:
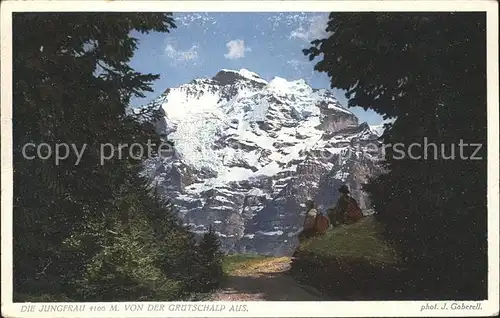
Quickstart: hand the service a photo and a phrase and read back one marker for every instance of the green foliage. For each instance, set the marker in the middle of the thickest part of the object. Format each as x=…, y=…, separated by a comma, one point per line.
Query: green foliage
x=93, y=231
x=210, y=259
x=43, y=298
x=427, y=70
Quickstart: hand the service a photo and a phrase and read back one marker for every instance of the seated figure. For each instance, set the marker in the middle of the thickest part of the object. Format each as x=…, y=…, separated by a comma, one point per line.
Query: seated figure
x=346, y=211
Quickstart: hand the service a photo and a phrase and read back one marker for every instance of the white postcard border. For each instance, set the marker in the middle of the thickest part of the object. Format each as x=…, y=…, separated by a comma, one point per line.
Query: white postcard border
x=269, y=308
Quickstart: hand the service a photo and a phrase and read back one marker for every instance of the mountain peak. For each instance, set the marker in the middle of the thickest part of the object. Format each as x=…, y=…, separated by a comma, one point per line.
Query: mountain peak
x=285, y=86
x=249, y=74
x=242, y=73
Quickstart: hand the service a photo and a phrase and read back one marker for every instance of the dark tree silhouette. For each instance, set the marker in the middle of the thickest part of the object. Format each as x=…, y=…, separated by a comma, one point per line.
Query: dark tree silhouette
x=427, y=70
x=210, y=260
x=90, y=231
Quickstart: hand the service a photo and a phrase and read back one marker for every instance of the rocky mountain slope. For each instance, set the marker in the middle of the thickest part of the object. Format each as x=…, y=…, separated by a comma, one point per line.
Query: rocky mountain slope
x=249, y=152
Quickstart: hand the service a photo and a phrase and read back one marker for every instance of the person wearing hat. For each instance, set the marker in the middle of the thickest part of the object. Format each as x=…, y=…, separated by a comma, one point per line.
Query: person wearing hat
x=346, y=210
x=309, y=229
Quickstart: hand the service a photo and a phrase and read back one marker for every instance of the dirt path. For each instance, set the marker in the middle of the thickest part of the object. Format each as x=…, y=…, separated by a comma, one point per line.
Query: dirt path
x=265, y=280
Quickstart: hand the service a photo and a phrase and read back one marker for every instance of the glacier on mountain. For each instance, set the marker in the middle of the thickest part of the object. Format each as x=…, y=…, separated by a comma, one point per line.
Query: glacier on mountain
x=248, y=152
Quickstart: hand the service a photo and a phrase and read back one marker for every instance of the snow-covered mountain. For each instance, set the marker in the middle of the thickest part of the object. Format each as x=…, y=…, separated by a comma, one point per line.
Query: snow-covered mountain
x=249, y=152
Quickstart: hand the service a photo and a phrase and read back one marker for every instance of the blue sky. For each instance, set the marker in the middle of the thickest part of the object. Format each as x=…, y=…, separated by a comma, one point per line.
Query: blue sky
x=269, y=44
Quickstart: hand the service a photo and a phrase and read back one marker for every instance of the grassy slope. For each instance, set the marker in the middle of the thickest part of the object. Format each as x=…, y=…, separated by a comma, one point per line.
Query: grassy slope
x=359, y=241
x=351, y=262
x=237, y=263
